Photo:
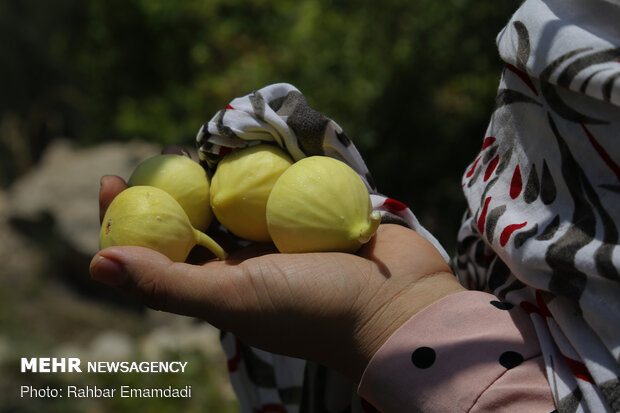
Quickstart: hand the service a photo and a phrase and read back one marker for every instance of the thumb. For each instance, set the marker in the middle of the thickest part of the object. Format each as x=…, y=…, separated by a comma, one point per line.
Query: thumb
x=161, y=284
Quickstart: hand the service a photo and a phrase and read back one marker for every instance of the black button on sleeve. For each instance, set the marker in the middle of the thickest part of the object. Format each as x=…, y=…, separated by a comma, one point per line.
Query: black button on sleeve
x=423, y=357
x=510, y=359
x=501, y=305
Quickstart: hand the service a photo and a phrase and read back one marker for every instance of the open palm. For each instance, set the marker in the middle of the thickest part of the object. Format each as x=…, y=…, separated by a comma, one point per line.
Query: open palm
x=333, y=308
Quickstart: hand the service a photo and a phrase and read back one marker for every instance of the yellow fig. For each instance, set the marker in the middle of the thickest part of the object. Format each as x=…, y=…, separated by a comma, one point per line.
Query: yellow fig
x=241, y=186
x=149, y=217
x=182, y=178
x=320, y=204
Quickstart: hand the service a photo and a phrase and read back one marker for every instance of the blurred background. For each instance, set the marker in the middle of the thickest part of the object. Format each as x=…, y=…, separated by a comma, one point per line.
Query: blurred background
x=90, y=88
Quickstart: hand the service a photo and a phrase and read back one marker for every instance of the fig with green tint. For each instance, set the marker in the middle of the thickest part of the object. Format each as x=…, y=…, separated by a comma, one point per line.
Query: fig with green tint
x=182, y=178
x=241, y=186
x=320, y=204
x=149, y=217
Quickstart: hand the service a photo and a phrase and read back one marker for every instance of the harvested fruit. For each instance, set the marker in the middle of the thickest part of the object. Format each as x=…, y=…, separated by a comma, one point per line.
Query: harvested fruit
x=320, y=204
x=182, y=178
x=149, y=217
x=241, y=186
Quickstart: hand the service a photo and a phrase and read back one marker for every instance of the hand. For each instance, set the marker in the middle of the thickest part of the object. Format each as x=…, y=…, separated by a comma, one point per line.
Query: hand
x=333, y=308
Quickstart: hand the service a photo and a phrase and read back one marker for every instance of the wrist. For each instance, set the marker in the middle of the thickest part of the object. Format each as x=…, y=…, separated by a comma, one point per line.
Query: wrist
x=379, y=324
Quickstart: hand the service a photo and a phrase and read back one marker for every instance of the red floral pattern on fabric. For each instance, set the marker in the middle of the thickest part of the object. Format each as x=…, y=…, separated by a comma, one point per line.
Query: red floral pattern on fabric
x=491, y=168
x=483, y=215
x=529, y=307
x=473, y=168
x=516, y=184
x=602, y=153
x=224, y=150
x=523, y=76
x=579, y=369
x=507, y=232
x=233, y=362
x=488, y=141
x=393, y=206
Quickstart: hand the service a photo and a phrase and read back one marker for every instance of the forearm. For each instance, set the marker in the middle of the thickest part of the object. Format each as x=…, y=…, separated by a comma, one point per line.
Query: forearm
x=462, y=353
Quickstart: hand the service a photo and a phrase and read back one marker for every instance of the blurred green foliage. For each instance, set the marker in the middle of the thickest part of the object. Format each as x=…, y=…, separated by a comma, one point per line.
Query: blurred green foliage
x=411, y=82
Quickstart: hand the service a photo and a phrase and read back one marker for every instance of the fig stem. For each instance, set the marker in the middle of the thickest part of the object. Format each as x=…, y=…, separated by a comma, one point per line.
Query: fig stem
x=366, y=234
x=208, y=242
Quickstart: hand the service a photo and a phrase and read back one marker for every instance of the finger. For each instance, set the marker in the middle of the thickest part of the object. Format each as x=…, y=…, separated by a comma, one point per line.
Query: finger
x=111, y=185
x=384, y=246
x=197, y=291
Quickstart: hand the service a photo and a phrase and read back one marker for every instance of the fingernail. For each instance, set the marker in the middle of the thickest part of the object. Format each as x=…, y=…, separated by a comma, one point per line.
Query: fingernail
x=108, y=271
x=102, y=181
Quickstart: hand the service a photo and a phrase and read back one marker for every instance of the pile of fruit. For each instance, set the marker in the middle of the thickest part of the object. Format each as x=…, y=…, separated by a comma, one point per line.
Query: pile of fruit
x=258, y=193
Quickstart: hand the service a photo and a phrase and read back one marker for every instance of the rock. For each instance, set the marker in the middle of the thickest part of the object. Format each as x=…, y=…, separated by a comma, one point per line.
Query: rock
x=111, y=346
x=64, y=187
x=184, y=335
x=68, y=350
x=19, y=257
x=50, y=216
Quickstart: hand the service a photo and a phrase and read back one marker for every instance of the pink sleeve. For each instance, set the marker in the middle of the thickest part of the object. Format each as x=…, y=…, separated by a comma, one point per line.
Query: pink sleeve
x=467, y=352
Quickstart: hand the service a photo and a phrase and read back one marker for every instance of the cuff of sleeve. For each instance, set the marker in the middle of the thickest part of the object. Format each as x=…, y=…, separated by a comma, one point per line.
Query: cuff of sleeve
x=445, y=357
